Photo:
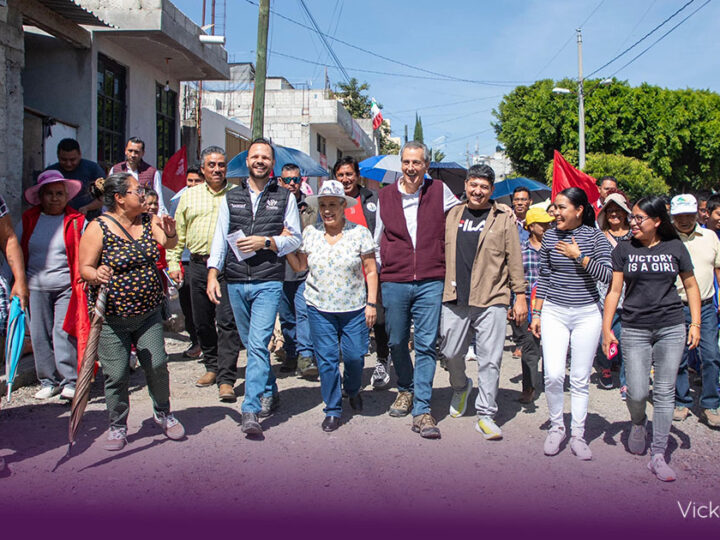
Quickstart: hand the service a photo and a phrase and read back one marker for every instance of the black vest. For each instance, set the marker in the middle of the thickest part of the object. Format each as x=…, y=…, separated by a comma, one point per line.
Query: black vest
x=265, y=265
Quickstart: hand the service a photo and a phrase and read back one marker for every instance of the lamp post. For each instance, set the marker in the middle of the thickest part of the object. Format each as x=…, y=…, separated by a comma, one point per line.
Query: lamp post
x=581, y=101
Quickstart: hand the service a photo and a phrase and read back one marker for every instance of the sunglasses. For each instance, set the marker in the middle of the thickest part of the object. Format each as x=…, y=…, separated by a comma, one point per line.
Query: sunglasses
x=292, y=179
x=140, y=192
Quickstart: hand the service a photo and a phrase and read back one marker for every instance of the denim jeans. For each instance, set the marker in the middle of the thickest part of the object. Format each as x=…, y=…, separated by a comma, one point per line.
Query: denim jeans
x=416, y=302
x=255, y=304
x=662, y=347
x=710, y=357
x=332, y=333
x=579, y=327
x=294, y=320
x=602, y=360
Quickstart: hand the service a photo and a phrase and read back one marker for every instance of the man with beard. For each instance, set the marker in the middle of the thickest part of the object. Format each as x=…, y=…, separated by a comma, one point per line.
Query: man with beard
x=253, y=218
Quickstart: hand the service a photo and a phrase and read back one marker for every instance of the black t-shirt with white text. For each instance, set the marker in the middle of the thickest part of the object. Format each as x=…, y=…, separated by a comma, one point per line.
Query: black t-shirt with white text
x=651, y=298
x=469, y=229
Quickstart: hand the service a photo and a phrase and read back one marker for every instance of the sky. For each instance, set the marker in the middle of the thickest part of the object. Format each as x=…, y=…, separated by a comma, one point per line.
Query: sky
x=491, y=45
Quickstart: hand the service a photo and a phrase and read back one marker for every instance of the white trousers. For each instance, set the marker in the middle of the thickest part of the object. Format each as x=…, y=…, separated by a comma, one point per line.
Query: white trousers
x=580, y=327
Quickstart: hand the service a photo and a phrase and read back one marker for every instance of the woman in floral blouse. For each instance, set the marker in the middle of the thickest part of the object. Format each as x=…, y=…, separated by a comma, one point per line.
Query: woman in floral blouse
x=337, y=253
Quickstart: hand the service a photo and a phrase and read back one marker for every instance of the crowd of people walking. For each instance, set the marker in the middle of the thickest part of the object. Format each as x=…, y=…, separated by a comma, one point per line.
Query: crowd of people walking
x=620, y=284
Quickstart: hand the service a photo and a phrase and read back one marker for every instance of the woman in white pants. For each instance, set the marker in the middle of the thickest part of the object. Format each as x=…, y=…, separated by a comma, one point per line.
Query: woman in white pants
x=574, y=257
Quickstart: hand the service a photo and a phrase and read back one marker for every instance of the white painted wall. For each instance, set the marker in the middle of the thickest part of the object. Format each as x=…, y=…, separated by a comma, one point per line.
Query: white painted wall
x=214, y=126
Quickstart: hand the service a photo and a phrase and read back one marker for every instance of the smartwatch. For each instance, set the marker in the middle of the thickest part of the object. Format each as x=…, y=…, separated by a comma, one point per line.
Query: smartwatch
x=267, y=242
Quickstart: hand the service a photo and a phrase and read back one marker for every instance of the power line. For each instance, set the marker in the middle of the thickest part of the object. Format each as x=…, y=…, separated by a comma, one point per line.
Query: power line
x=322, y=37
x=572, y=36
x=642, y=18
x=398, y=62
x=661, y=38
x=387, y=73
x=640, y=40
x=447, y=104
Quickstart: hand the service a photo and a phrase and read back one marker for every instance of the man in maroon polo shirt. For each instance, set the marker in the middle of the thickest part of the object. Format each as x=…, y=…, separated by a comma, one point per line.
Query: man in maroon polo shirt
x=146, y=175
x=410, y=230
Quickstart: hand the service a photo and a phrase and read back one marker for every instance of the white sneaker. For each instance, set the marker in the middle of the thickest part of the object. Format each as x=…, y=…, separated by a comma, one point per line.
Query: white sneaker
x=381, y=376
x=458, y=403
x=470, y=354
x=661, y=469
x=46, y=392
x=580, y=448
x=489, y=429
x=554, y=439
x=171, y=426
x=68, y=393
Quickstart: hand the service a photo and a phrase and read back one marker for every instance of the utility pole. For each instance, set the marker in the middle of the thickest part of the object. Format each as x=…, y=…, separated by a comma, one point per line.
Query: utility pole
x=581, y=105
x=258, y=116
x=406, y=133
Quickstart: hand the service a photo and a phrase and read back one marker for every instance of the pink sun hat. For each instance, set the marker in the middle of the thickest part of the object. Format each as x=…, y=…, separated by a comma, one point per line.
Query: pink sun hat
x=32, y=194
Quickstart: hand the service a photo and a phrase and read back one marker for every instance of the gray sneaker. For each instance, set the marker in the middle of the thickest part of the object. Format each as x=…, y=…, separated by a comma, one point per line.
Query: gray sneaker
x=307, y=367
x=116, y=439
x=268, y=404
x=661, y=469
x=171, y=426
x=381, y=376
x=637, y=438
x=250, y=424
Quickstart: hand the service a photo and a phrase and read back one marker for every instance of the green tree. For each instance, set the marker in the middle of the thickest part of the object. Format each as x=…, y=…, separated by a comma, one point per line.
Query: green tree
x=438, y=155
x=418, y=132
x=677, y=132
x=634, y=176
x=386, y=144
x=354, y=97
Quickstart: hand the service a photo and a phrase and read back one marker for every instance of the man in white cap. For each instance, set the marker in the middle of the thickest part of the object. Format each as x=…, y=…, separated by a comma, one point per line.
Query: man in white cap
x=704, y=248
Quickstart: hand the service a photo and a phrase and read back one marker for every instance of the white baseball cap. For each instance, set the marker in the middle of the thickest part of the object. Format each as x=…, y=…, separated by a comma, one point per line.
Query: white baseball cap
x=330, y=188
x=683, y=204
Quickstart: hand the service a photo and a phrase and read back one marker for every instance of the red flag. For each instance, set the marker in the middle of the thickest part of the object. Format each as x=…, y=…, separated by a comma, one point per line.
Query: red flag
x=565, y=176
x=175, y=172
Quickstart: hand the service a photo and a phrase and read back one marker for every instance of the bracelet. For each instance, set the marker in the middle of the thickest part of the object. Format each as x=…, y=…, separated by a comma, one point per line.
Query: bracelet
x=370, y=304
x=173, y=236
x=536, y=313
x=695, y=324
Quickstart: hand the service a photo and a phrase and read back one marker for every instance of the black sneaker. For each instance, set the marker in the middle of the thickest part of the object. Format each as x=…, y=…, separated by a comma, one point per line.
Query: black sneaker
x=606, y=379
x=268, y=404
x=250, y=424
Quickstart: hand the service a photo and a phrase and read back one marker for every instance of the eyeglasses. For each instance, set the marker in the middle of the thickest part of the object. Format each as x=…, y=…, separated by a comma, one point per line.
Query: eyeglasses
x=638, y=219
x=292, y=179
x=140, y=192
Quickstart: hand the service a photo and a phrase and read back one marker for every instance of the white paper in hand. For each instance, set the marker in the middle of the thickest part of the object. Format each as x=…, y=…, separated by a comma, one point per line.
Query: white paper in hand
x=232, y=239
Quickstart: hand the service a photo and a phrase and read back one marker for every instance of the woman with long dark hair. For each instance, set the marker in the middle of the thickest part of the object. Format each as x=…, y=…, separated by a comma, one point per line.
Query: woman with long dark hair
x=574, y=257
x=653, y=322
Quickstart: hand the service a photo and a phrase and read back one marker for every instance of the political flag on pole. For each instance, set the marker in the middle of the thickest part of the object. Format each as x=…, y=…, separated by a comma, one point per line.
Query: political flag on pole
x=175, y=171
x=565, y=176
x=377, y=116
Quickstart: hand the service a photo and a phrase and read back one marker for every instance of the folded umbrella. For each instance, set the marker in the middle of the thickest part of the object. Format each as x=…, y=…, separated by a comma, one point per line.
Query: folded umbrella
x=237, y=167
x=14, y=341
x=85, y=375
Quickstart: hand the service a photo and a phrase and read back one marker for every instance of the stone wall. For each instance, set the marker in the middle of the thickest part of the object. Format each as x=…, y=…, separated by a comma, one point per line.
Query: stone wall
x=11, y=106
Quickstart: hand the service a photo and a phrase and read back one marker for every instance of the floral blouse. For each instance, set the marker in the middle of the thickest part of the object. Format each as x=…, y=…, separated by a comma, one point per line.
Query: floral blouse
x=335, y=281
x=135, y=288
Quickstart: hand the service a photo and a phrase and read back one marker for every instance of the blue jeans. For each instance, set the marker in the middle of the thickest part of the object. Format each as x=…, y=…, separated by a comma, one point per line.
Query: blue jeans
x=416, y=302
x=255, y=304
x=710, y=357
x=294, y=320
x=664, y=348
x=332, y=332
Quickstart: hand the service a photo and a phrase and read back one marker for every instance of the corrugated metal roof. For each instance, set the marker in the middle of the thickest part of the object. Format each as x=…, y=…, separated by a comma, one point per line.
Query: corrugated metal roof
x=72, y=10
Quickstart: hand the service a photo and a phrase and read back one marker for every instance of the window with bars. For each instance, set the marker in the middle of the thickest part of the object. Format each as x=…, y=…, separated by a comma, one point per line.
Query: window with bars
x=111, y=80
x=321, y=144
x=166, y=104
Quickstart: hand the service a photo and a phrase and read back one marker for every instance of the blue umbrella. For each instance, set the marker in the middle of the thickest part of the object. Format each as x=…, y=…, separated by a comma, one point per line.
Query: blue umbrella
x=504, y=189
x=237, y=168
x=14, y=341
x=386, y=170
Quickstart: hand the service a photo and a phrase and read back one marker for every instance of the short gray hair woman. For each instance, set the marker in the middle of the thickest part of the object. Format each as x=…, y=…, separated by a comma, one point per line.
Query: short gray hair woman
x=336, y=253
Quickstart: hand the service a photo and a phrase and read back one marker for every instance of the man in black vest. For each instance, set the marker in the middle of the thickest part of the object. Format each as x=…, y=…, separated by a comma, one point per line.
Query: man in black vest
x=251, y=221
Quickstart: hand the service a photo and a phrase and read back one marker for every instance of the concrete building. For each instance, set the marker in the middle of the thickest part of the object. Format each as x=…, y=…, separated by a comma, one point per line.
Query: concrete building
x=99, y=71
x=499, y=162
x=302, y=118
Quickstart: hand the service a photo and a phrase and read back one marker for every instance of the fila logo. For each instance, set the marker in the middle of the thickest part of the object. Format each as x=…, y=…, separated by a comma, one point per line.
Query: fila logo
x=467, y=225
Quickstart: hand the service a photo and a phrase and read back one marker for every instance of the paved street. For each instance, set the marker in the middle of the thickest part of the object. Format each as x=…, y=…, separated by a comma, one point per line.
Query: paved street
x=373, y=468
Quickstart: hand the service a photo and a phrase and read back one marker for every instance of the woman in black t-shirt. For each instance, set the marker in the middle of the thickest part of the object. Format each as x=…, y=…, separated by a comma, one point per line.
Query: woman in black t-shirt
x=653, y=322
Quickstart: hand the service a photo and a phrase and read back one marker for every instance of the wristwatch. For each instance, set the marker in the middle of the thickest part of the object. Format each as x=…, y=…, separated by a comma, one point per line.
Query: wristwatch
x=579, y=258
x=267, y=242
